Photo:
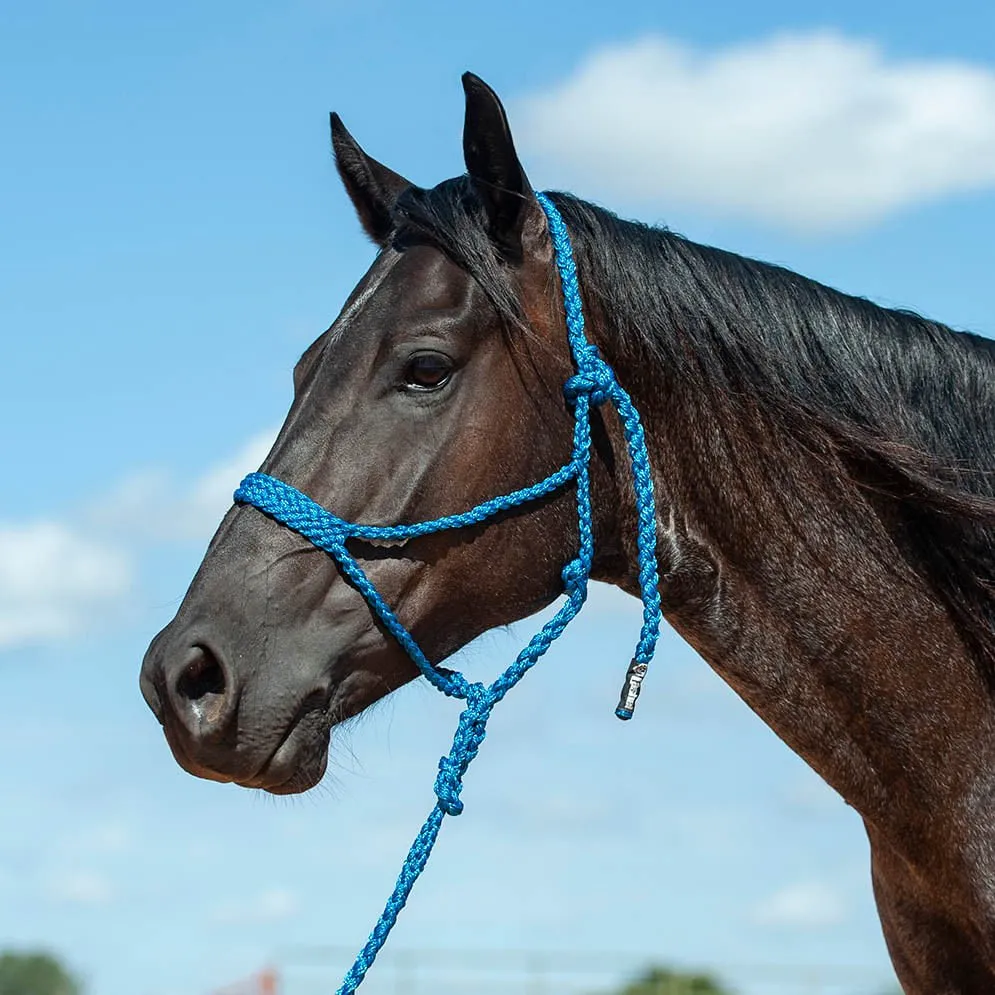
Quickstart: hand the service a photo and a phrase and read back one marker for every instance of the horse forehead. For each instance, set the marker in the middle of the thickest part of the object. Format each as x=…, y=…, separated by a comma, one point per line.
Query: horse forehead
x=417, y=278
x=374, y=280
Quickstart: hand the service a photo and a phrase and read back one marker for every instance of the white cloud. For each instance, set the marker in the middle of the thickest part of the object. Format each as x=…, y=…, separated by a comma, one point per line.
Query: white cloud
x=155, y=505
x=810, y=131
x=53, y=580
x=805, y=905
x=268, y=906
x=58, y=578
x=80, y=887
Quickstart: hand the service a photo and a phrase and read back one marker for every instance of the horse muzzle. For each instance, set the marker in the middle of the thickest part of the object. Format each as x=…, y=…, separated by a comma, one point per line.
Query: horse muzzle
x=218, y=729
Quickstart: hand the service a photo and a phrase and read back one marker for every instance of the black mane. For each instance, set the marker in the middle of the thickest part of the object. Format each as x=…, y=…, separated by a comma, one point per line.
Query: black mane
x=905, y=404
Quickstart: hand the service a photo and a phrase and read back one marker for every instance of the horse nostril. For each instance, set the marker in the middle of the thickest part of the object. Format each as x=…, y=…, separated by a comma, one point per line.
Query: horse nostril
x=202, y=676
x=202, y=685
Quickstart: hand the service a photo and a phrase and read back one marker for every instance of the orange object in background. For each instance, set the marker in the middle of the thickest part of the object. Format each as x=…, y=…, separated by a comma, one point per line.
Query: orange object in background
x=266, y=982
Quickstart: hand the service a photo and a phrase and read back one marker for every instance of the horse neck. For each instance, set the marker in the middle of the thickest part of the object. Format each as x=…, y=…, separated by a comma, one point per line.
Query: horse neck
x=788, y=583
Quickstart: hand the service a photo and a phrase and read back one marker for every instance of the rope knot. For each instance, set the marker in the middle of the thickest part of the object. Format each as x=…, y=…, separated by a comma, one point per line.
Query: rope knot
x=574, y=574
x=448, y=785
x=594, y=377
x=470, y=733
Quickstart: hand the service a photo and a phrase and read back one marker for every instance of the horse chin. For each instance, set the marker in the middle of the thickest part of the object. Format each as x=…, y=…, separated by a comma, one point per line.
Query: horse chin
x=299, y=775
x=299, y=761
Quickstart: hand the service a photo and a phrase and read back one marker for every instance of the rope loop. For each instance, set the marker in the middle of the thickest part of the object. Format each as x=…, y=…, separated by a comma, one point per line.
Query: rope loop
x=594, y=377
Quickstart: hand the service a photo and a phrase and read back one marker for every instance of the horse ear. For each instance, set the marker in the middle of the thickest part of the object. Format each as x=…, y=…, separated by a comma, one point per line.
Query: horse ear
x=492, y=162
x=372, y=187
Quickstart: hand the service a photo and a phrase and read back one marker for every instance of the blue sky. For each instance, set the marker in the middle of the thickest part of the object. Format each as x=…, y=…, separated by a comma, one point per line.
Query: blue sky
x=173, y=236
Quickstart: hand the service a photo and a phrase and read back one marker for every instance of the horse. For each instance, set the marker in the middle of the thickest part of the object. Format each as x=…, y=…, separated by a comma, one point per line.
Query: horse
x=824, y=471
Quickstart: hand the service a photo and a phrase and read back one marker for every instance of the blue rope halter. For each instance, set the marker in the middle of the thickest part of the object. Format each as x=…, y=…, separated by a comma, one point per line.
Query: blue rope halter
x=594, y=383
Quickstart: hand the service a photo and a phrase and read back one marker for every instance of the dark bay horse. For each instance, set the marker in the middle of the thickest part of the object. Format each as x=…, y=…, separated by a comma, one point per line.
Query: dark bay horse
x=824, y=469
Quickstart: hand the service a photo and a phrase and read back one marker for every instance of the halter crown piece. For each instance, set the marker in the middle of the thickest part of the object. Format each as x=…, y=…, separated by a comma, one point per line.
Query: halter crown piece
x=594, y=383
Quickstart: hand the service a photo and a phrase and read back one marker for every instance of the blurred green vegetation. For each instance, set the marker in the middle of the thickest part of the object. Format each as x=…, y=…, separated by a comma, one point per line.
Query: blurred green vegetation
x=35, y=973
x=662, y=981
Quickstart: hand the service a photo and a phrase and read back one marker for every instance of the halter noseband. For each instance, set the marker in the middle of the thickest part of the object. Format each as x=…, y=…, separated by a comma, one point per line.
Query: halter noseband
x=594, y=383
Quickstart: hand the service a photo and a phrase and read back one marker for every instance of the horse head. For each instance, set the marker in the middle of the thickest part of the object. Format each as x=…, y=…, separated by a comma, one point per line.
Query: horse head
x=438, y=386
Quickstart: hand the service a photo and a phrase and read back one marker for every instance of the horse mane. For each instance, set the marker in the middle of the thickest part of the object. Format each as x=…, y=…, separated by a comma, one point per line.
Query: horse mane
x=905, y=405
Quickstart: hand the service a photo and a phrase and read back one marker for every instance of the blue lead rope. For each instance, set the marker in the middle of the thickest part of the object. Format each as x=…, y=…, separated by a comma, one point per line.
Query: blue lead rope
x=594, y=383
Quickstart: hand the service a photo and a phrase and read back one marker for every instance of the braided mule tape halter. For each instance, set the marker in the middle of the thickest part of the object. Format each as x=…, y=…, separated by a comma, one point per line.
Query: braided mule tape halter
x=593, y=383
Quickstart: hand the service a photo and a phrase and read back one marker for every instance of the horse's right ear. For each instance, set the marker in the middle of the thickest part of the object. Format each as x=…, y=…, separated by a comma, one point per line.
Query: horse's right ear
x=372, y=187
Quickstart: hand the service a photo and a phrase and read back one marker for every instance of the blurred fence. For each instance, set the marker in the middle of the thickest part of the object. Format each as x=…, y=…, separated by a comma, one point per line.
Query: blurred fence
x=318, y=971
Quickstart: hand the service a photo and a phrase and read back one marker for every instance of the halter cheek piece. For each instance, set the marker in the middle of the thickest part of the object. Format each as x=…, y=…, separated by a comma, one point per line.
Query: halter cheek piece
x=594, y=383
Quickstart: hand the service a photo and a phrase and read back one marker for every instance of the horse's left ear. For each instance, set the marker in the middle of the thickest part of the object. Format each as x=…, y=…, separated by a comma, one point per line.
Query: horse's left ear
x=372, y=187
x=492, y=162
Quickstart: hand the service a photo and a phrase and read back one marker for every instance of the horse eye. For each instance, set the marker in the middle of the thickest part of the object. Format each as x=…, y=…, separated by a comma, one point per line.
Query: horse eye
x=428, y=371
